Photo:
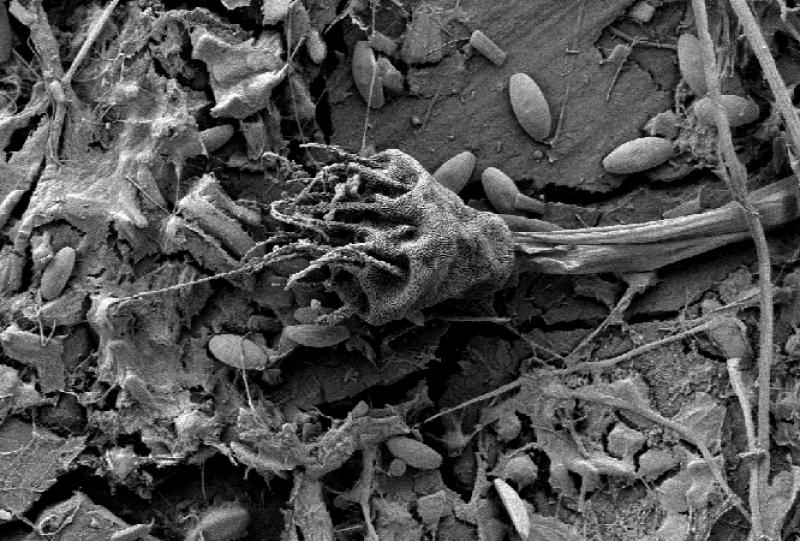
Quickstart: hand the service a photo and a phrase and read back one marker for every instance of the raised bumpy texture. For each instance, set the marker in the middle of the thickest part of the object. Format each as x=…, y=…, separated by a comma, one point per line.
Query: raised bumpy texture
x=390, y=241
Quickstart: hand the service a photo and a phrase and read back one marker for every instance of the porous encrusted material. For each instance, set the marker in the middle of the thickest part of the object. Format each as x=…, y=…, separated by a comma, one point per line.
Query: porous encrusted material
x=391, y=241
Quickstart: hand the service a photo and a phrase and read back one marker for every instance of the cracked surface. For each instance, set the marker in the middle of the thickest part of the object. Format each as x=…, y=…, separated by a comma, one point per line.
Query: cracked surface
x=476, y=92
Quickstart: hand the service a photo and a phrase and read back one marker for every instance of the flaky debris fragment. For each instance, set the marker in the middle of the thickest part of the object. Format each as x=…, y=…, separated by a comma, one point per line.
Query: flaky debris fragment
x=79, y=518
x=33, y=459
x=235, y=4
x=181, y=235
x=27, y=347
x=521, y=470
x=217, y=224
x=5, y=34
x=423, y=42
x=397, y=468
x=390, y=76
x=118, y=191
x=642, y=11
x=8, y=204
x=242, y=75
x=302, y=102
x=207, y=206
x=136, y=388
x=383, y=43
x=65, y=310
x=274, y=11
x=134, y=532
x=666, y=124
x=310, y=514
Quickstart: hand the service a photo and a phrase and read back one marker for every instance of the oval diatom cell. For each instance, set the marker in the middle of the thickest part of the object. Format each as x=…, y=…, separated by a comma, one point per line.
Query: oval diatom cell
x=515, y=507
x=690, y=62
x=414, y=453
x=365, y=75
x=739, y=110
x=237, y=351
x=456, y=172
x=316, y=336
x=488, y=48
x=530, y=106
x=638, y=155
x=215, y=137
x=500, y=189
x=57, y=273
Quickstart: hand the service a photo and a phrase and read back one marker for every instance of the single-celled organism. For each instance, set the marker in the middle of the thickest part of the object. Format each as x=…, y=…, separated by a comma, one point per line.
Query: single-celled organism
x=214, y=138
x=530, y=106
x=690, y=62
x=488, y=48
x=505, y=196
x=738, y=110
x=414, y=453
x=225, y=522
x=638, y=155
x=238, y=352
x=57, y=273
x=456, y=172
x=365, y=75
x=514, y=506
